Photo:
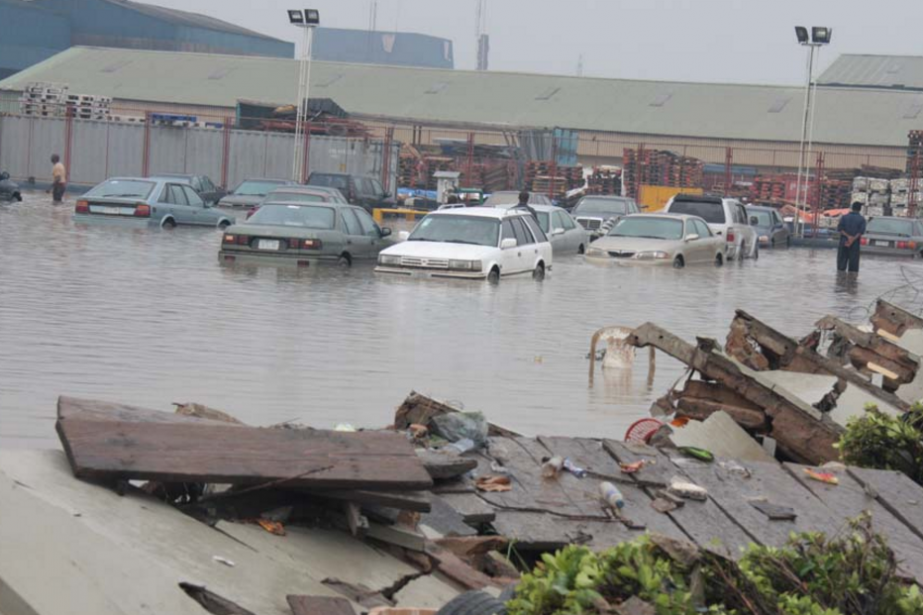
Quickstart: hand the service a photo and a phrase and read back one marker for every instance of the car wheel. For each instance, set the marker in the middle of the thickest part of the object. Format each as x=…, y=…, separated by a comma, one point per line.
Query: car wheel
x=344, y=261
x=539, y=272
x=741, y=252
x=223, y=224
x=581, y=249
x=494, y=276
x=17, y=197
x=719, y=260
x=678, y=262
x=473, y=603
x=788, y=241
x=168, y=223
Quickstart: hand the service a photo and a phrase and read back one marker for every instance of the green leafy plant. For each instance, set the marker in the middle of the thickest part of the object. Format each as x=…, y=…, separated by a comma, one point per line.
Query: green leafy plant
x=885, y=442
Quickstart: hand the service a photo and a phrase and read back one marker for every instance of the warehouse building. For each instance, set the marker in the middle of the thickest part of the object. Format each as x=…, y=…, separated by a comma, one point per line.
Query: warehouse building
x=34, y=30
x=875, y=72
x=388, y=48
x=855, y=125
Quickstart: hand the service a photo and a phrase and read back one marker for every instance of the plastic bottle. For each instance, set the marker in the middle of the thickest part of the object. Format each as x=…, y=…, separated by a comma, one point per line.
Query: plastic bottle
x=611, y=495
x=552, y=467
x=462, y=446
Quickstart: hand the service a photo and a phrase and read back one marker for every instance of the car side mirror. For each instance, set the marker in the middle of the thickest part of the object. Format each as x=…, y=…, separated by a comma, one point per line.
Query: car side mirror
x=509, y=242
x=692, y=236
x=403, y=235
x=385, y=232
x=557, y=231
x=754, y=221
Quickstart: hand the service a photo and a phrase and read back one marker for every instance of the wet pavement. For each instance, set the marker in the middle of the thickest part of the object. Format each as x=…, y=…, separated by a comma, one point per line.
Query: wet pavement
x=150, y=317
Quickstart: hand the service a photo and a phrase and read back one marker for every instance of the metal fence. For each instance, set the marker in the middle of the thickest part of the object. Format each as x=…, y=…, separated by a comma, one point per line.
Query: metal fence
x=94, y=150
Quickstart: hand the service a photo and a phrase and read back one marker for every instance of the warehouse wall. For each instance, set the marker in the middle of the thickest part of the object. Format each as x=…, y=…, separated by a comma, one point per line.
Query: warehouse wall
x=38, y=34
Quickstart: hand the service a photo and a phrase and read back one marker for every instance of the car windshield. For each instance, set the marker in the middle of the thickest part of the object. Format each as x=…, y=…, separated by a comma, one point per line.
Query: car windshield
x=889, y=226
x=544, y=220
x=601, y=206
x=711, y=212
x=298, y=197
x=256, y=188
x=331, y=181
x=122, y=188
x=502, y=198
x=472, y=230
x=323, y=218
x=763, y=218
x=650, y=228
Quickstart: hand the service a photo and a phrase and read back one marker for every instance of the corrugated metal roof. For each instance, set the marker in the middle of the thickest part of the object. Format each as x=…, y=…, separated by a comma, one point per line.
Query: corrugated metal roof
x=716, y=111
x=898, y=72
x=393, y=48
x=185, y=18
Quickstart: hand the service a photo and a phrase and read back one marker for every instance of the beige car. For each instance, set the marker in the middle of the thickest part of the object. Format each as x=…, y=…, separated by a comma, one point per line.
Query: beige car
x=659, y=239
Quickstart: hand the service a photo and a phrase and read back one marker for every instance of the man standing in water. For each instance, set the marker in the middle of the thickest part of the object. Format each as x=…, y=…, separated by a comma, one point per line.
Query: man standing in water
x=851, y=228
x=524, y=204
x=58, y=179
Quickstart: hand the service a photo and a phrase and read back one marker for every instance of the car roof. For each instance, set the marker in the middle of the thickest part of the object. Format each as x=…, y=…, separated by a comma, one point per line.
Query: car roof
x=535, y=206
x=267, y=179
x=607, y=197
x=174, y=175
x=305, y=204
x=761, y=208
x=304, y=189
x=666, y=215
x=481, y=212
x=700, y=198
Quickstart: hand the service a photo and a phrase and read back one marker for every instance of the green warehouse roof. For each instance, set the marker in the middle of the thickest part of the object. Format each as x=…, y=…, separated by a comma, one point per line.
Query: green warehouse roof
x=850, y=116
x=875, y=71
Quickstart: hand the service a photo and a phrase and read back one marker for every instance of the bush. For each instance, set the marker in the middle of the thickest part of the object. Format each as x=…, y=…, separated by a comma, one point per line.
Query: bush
x=884, y=442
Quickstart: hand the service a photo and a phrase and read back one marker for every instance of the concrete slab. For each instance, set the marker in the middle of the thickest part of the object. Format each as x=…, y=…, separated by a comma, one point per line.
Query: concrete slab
x=810, y=388
x=429, y=592
x=912, y=341
x=67, y=546
x=721, y=435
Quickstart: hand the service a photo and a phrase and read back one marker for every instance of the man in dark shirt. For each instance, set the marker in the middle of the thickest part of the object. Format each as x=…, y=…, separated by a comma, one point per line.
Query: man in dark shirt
x=524, y=204
x=851, y=228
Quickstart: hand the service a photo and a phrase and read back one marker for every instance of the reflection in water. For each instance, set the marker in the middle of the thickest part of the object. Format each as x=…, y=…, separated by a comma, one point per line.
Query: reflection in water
x=150, y=317
x=847, y=282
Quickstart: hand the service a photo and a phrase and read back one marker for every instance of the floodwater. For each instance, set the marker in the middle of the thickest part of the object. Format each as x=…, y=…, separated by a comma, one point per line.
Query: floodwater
x=149, y=317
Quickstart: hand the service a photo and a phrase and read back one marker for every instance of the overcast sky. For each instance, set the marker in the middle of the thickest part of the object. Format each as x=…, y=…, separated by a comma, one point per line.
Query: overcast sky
x=748, y=41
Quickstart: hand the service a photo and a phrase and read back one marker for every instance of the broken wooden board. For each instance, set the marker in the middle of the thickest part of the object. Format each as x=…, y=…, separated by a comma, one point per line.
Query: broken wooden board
x=420, y=409
x=893, y=319
x=703, y=522
x=543, y=532
x=319, y=605
x=172, y=451
x=442, y=465
x=417, y=501
x=872, y=348
x=699, y=400
x=90, y=409
x=801, y=431
x=722, y=436
x=896, y=492
x=849, y=499
x=471, y=507
x=445, y=520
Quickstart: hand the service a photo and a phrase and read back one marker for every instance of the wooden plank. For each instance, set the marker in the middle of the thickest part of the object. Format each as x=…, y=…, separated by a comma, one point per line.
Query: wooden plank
x=188, y=452
x=872, y=347
x=417, y=501
x=90, y=409
x=471, y=507
x=849, y=499
x=517, y=498
x=445, y=520
x=319, y=605
x=442, y=466
x=733, y=491
x=541, y=531
x=704, y=522
x=893, y=319
x=394, y=535
x=358, y=524
x=896, y=492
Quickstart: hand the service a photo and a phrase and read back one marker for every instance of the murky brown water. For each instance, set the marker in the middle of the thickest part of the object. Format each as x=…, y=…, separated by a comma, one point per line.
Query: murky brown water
x=150, y=317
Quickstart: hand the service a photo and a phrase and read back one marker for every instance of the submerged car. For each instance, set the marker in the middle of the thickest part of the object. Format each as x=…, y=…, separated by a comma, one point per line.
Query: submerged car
x=894, y=236
x=471, y=243
x=769, y=226
x=659, y=239
x=9, y=190
x=597, y=214
x=251, y=191
x=726, y=218
x=306, y=194
x=364, y=191
x=303, y=233
x=566, y=236
x=202, y=184
x=145, y=201
x=511, y=197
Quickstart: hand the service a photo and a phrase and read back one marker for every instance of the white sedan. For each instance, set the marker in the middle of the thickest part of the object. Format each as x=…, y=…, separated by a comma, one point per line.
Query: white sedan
x=471, y=243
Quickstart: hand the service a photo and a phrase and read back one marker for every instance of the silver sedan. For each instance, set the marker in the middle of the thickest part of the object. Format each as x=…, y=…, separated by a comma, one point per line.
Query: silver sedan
x=659, y=239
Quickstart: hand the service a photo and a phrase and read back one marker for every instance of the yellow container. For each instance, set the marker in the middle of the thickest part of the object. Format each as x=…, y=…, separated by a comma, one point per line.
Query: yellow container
x=654, y=198
x=411, y=214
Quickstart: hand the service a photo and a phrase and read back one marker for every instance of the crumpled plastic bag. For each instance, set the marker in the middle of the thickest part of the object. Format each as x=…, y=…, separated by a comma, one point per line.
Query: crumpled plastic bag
x=456, y=426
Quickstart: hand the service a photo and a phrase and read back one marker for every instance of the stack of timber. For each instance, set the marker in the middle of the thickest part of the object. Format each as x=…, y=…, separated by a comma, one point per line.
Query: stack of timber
x=605, y=180
x=539, y=175
x=661, y=168
x=768, y=188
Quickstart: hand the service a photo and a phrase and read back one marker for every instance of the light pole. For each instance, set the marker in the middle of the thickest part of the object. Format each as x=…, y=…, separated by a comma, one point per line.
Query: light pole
x=819, y=36
x=307, y=20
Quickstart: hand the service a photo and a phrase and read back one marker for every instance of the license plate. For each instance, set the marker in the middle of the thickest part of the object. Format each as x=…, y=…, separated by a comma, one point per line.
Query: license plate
x=268, y=244
x=883, y=244
x=114, y=211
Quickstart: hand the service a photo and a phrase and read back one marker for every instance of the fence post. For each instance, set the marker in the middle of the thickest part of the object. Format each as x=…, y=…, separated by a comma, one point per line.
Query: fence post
x=225, y=152
x=728, y=159
x=306, y=157
x=146, y=152
x=386, y=158
x=554, y=165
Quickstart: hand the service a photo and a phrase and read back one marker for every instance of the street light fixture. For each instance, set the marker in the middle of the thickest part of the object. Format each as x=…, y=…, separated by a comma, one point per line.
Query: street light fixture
x=820, y=36
x=307, y=20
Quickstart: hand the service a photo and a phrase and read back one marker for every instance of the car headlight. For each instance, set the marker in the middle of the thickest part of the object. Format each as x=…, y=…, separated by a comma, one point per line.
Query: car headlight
x=595, y=252
x=465, y=265
x=652, y=256
x=389, y=259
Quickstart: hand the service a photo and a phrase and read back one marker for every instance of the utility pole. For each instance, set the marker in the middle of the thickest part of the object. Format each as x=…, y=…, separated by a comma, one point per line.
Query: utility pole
x=483, y=39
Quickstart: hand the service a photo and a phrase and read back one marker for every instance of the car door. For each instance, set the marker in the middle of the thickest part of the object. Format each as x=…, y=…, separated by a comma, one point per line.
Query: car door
x=526, y=250
x=358, y=244
x=199, y=214
x=175, y=200
x=704, y=246
x=562, y=241
x=509, y=257
x=372, y=231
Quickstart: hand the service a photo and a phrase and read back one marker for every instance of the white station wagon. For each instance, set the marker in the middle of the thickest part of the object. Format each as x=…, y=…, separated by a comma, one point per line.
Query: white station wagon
x=471, y=243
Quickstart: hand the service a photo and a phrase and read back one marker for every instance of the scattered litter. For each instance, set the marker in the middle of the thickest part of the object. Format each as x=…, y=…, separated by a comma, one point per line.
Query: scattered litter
x=680, y=421
x=457, y=426
x=834, y=465
x=497, y=468
x=631, y=468
x=685, y=489
x=663, y=505
x=419, y=431
x=697, y=453
x=552, y=467
x=574, y=469
x=735, y=468
x=775, y=512
x=824, y=477
x=663, y=494
x=344, y=427
x=222, y=560
x=611, y=495
x=539, y=359
x=465, y=445
x=493, y=483
x=632, y=525
x=273, y=527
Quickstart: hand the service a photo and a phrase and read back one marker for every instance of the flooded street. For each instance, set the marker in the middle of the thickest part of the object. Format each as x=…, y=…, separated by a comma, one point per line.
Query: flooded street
x=149, y=317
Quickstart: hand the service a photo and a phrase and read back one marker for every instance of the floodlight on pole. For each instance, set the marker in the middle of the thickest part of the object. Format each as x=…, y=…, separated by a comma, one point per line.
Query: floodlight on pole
x=802, y=33
x=821, y=35
x=295, y=17
x=307, y=20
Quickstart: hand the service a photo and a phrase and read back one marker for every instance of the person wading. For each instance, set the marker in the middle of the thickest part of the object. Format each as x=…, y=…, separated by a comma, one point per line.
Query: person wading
x=58, y=179
x=851, y=228
x=524, y=204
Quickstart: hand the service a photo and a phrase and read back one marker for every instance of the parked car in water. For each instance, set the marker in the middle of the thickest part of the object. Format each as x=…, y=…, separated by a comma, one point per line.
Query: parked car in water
x=659, y=239
x=148, y=201
x=303, y=233
x=366, y=192
x=202, y=184
x=9, y=190
x=726, y=217
x=598, y=214
x=251, y=191
x=471, y=243
x=566, y=236
x=770, y=229
x=894, y=236
x=300, y=194
x=511, y=197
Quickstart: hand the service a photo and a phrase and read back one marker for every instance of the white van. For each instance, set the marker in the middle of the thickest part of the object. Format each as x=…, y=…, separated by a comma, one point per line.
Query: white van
x=725, y=217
